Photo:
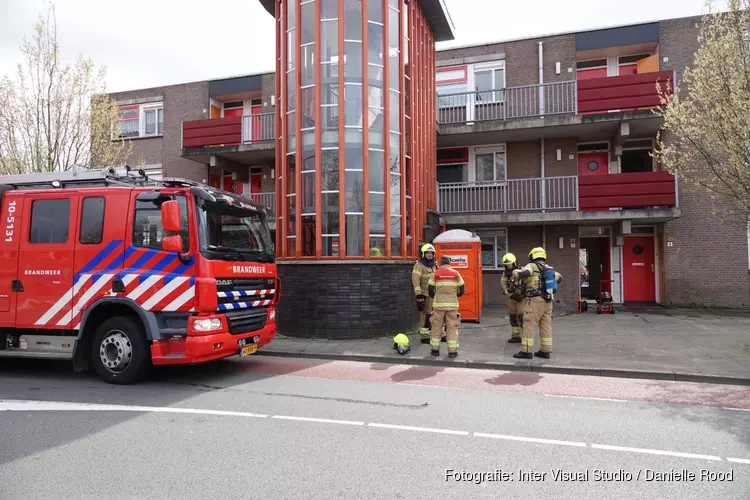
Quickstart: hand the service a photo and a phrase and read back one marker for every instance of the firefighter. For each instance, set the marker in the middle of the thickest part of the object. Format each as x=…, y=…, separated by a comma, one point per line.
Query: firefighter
x=423, y=270
x=445, y=287
x=375, y=252
x=514, y=291
x=540, y=281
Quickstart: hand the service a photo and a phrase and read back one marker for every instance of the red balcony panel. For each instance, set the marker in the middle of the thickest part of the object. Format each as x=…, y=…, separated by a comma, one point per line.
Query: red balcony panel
x=643, y=189
x=202, y=133
x=599, y=95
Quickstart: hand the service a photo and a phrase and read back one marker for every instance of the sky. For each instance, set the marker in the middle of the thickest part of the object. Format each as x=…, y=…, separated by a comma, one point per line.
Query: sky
x=149, y=43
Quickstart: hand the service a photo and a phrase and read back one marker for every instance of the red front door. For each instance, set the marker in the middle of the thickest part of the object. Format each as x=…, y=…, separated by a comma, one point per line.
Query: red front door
x=639, y=273
x=229, y=182
x=232, y=112
x=256, y=187
x=593, y=163
x=255, y=133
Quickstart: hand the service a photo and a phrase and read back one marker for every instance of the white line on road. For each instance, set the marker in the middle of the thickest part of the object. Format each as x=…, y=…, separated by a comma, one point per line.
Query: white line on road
x=15, y=405
x=736, y=409
x=655, y=452
x=587, y=397
x=321, y=420
x=738, y=460
x=530, y=440
x=418, y=429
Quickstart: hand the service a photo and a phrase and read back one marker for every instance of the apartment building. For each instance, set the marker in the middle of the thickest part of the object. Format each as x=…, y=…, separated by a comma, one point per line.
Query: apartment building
x=539, y=142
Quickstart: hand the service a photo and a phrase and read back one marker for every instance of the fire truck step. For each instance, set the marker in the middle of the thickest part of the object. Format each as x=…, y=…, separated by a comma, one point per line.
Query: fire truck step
x=40, y=347
x=23, y=353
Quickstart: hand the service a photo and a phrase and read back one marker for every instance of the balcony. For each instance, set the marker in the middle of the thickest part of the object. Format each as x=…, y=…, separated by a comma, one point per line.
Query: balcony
x=266, y=199
x=230, y=131
x=646, y=196
x=622, y=93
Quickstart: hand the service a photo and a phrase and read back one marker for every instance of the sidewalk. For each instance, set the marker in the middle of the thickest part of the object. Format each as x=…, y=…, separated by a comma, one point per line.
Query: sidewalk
x=655, y=343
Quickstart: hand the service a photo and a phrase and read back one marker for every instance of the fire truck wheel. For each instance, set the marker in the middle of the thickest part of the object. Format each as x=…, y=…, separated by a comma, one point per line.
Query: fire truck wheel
x=119, y=351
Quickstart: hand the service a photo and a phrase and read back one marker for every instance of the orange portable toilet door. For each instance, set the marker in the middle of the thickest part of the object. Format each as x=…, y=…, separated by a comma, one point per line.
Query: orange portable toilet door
x=462, y=247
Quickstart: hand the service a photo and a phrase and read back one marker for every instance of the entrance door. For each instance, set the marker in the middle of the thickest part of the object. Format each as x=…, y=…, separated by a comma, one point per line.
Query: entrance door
x=255, y=110
x=45, y=264
x=593, y=163
x=228, y=182
x=232, y=112
x=594, y=257
x=639, y=273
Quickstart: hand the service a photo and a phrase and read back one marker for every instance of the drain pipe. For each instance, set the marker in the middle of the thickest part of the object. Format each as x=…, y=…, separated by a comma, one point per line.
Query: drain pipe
x=541, y=79
x=543, y=197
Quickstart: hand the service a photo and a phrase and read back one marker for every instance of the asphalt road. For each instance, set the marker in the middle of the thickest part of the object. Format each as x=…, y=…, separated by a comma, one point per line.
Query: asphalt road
x=280, y=428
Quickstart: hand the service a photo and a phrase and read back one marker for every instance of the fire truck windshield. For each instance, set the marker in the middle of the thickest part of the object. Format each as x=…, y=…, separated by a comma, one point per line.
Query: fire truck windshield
x=229, y=232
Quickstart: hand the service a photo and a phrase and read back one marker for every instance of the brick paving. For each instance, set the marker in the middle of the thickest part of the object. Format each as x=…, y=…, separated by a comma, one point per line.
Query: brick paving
x=649, y=343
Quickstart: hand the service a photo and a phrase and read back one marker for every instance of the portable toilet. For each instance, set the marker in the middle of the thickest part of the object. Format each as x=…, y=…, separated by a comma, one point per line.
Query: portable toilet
x=465, y=250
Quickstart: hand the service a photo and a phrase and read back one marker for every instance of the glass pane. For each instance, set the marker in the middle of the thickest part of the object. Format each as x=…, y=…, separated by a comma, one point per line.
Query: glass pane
x=393, y=29
x=291, y=89
x=292, y=204
x=500, y=166
x=330, y=214
x=407, y=136
x=499, y=84
x=330, y=36
x=308, y=151
x=395, y=154
x=308, y=64
x=330, y=246
x=353, y=105
x=150, y=122
x=354, y=154
x=408, y=177
x=330, y=81
x=395, y=197
x=354, y=235
x=353, y=62
x=291, y=177
x=375, y=136
x=291, y=10
x=353, y=20
x=485, y=170
x=377, y=213
x=307, y=96
x=395, y=235
x=308, y=236
x=354, y=197
x=377, y=246
x=376, y=171
x=291, y=45
x=329, y=160
x=488, y=252
x=330, y=118
x=159, y=121
x=329, y=9
x=375, y=43
x=395, y=112
x=393, y=68
x=499, y=250
x=375, y=11
x=394, y=3
x=291, y=247
x=291, y=126
x=307, y=23
x=375, y=81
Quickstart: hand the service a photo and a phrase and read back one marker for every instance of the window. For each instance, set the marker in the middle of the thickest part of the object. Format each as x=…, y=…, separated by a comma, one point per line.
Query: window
x=140, y=120
x=494, y=246
x=147, y=229
x=489, y=83
x=92, y=220
x=451, y=81
x=50, y=221
x=489, y=165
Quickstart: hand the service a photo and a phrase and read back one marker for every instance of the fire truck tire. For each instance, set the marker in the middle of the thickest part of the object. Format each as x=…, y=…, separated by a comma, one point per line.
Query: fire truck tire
x=119, y=351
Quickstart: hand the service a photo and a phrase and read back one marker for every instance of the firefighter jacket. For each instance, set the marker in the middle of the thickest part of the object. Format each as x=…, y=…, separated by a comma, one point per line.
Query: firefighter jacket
x=445, y=287
x=512, y=287
x=530, y=278
x=420, y=276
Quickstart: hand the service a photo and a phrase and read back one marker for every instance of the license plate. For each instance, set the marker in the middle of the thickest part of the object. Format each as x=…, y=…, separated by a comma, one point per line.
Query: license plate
x=248, y=349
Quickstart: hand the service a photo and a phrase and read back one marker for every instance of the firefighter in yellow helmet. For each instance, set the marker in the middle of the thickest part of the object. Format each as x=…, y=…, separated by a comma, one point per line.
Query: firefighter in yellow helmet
x=513, y=289
x=375, y=252
x=424, y=269
x=540, y=281
x=445, y=287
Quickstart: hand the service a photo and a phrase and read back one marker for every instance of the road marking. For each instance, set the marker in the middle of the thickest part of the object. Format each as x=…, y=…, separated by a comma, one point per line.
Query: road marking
x=655, y=452
x=322, y=420
x=16, y=405
x=736, y=409
x=587, y=397
x=418, y=429
x=530, y=440
x=738, y=460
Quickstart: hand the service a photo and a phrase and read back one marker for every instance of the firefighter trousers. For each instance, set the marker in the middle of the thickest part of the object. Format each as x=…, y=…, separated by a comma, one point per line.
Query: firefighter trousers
x=449, y=319
x=515, y=313
x=424, y=320
x=537, y=312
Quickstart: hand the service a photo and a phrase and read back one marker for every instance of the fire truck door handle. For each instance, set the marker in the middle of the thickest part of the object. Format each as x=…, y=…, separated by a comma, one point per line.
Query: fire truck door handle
x=17, y=286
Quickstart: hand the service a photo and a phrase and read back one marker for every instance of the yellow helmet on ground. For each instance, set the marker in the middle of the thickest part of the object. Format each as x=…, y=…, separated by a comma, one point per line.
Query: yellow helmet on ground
x=401, y=343
x=537, y=253
x=427, y=248
x=509, y=258
x=375, y=252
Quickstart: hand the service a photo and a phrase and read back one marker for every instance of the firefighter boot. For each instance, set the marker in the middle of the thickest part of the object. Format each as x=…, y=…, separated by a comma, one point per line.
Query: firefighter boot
x=541, y=354
x=523, y=355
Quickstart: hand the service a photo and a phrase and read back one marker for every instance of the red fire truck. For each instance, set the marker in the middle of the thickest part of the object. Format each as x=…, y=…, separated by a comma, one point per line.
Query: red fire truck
x=116, y=271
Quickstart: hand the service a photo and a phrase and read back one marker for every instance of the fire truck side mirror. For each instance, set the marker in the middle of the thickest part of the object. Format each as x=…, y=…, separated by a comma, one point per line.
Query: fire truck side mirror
x=170, y=216
x=172, y=244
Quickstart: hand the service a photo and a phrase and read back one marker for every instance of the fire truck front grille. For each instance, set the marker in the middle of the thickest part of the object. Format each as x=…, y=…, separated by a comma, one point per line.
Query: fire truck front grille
x=241, y=293
x=247, y=320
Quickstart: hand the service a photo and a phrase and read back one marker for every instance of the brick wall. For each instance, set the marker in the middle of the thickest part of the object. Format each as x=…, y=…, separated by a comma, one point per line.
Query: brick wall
x=181, y=103
x=346, y=301
x=268, y=83
x=566, y=166
x=524, y=159
x=565, y=262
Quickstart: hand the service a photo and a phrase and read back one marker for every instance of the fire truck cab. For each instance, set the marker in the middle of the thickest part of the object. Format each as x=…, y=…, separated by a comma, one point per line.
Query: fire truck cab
x=117, y=272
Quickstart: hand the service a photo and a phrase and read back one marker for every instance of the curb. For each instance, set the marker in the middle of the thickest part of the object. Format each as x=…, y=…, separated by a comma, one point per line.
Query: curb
x=520, y=366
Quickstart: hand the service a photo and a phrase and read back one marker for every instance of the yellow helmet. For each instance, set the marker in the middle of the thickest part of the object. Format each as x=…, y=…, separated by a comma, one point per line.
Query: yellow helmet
x=427, y=248
x=401, y=343
x=537, y=253
x=375, y=252
x=509, y=258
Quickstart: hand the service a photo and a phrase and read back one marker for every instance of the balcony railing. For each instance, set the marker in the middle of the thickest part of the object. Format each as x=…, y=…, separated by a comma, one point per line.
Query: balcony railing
x=515, y=195
x=503, y=104
x=622, y=93
x=267, y=199
x=229, y=131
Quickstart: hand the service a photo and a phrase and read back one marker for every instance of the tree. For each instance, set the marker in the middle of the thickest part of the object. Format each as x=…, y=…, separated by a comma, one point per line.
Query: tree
x=54, y=116
x=705, y=137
